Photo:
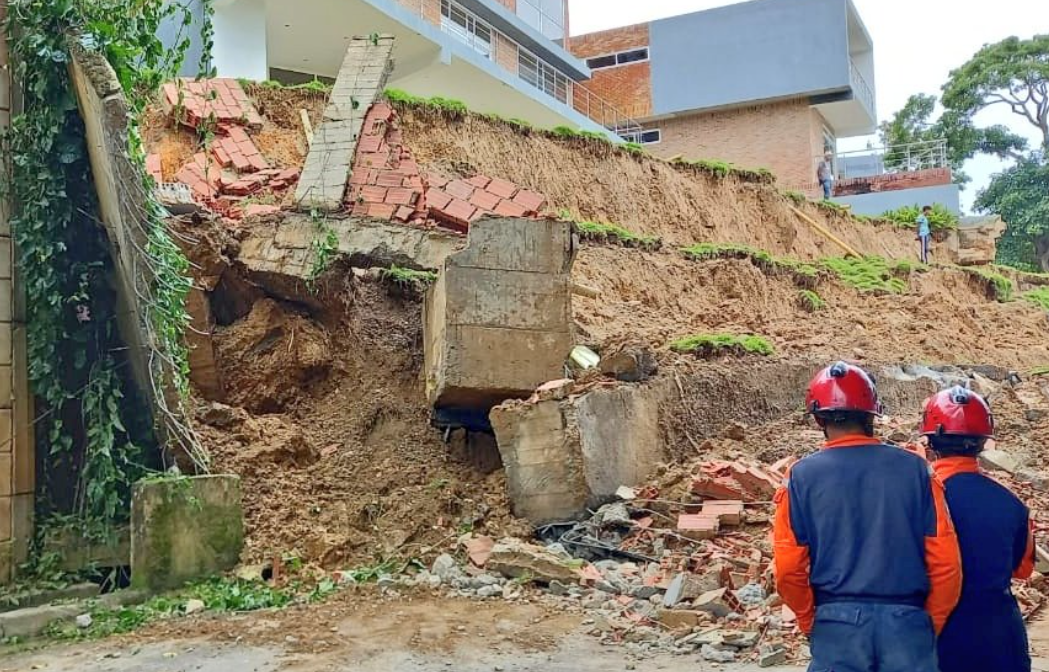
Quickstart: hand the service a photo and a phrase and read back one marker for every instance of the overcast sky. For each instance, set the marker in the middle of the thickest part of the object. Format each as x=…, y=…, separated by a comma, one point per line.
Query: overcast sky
x=916, y=45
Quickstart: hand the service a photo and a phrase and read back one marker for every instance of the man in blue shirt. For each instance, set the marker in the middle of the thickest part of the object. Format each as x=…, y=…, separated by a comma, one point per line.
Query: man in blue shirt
x=924, y=233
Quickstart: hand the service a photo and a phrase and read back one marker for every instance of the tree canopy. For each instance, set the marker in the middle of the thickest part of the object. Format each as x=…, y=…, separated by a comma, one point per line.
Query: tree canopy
x=1013, y=73
x=1020, y=196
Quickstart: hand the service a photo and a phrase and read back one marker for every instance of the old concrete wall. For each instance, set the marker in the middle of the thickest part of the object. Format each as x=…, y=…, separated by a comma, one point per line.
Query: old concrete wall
x=562, y=457
x=498, y=323
x=122, y=200
x=975, y=243
x=184, y=529
x=17, y=454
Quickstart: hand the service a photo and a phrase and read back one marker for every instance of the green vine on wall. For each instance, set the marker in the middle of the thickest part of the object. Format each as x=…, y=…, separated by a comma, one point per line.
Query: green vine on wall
x=95, y=437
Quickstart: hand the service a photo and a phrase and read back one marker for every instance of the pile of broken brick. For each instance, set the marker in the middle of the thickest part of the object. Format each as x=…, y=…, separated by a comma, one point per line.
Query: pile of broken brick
x=387, y=183
x=651, y=574
x=231, y=176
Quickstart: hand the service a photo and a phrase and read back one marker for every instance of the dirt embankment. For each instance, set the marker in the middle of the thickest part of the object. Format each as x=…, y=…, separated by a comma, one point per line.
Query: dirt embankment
x=943, y=317
x=645, y=195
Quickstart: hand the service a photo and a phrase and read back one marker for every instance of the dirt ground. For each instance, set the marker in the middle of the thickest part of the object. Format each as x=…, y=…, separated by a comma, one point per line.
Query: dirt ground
x=416, y=636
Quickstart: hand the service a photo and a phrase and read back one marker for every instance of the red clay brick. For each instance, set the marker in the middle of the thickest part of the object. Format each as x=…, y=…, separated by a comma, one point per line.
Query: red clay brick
x=438, y=199
x=360, y=210
x=258, y=210
x=362, y=176
x=288, y=174
x=238, y=135
x=154, y=167
x=373, y=194
x=381, y=210
x=507, y=208
x=404, y=213
x=458, y=211
x=460, y=189
x=221, y=155
x=728, y=512
x=484, y=200
x=435, y=180
x=529, y=200
x=480, y=181
x=240, y=162
x=389, y=178
x=370, y=144
x=400, y=196
x=718, y=487
x=502, y=188
x=408, y=167
x=373, y=159
x=258, y=163
x=415, y=183
x=698, y=526
x=381, y=112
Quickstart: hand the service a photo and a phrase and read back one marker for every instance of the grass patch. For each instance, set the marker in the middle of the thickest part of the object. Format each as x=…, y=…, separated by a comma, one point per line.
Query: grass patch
x=708, y=345
x=831, y=206
x=999, y=287
x=811, y=301
x=940, y=219
x=450, y=106
x=796, y=196
x=603, y=232
x=633, y=148
x=314, y=86
x=803, y=274
x=1039, y=371
x=869, y=274
x=723, y=169
x=1038, y=297
x=406, y=277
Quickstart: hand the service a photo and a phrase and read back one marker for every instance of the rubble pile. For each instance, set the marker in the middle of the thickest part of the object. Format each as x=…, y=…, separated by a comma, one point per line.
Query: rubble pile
x=229, y=175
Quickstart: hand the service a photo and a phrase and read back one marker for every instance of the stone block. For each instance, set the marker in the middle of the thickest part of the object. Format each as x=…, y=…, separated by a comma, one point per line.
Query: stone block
x=184, y=529
x=22, y=513
x=5, y=258
x=79, y=553
x=7, y=480
x=6, y=518
x=517, y=559
x=7, y=566
x=6, y=336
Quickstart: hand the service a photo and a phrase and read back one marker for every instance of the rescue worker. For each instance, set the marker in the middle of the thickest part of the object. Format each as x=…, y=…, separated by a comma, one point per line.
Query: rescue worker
x=986, y=631
x=865, y=552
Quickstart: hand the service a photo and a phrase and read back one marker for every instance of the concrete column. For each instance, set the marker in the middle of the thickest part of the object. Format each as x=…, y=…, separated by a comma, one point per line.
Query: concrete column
x=240, y=39
x=17, y=454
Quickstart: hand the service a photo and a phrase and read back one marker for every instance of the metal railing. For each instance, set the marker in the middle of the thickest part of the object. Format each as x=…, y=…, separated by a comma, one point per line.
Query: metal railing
x=892, y=159
x=573, y=94
x=861, y=88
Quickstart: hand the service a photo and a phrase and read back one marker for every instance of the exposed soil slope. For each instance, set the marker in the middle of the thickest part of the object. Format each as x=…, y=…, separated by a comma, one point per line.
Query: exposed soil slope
x=646, y=195
x=943, y=317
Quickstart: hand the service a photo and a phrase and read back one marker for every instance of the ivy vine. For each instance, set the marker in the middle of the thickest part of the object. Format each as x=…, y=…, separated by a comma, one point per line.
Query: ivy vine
x=95, y=438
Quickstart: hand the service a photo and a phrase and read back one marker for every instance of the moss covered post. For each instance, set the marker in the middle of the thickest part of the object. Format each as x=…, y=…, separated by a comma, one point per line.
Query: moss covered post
x=183, y=529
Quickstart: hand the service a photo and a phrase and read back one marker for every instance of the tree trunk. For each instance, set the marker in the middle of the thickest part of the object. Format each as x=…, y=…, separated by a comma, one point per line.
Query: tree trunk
x=1041, y=249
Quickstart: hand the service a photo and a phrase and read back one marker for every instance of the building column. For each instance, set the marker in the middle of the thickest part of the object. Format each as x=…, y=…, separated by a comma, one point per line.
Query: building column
x=240, y=50
x=17, y=452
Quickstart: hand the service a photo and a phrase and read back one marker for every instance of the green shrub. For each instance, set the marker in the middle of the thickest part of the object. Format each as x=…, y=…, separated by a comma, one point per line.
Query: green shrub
x=520, y=124
x=565, y=132
x=811, y=301
x=399, y=97
x=869, y=274
x=907, y=217
x=1038, y=297
x=450, y=105
x=706, y=345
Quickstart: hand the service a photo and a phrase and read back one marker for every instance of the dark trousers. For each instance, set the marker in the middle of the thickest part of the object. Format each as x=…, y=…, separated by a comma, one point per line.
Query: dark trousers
x=924, y=242
x=985, y=633
x=867, y=637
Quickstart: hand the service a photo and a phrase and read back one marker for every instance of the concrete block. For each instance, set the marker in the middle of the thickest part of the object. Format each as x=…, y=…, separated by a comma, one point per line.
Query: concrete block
x=6, y=335
x=78, y=552
x=7, y=567
x=5, y=386
x=31, y=622
x=563, y=456
x=6, y=300
x=5, y=257
x=498, y=323
x=7, y=442
x=22, y=514
x=184, y=529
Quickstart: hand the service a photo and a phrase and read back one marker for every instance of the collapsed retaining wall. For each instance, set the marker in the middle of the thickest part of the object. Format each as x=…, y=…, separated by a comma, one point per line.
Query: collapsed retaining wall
x=565, y=455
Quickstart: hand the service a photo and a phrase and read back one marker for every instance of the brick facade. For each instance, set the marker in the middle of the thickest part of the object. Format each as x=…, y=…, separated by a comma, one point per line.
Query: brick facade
x=784, y=137
x=627, y=87
x=917, y=179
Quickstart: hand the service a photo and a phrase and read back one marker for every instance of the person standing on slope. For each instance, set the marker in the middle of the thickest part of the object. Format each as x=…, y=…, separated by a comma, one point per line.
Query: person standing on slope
x=865, y=551
x=986, y=632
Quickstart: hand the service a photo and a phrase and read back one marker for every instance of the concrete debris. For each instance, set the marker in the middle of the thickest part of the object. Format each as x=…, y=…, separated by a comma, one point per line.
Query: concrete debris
x=715, y=655
x=445, y=568
x=771, y=656
x=584, y=358
x=517, y=559
x=194, y=606
x=83, y=621
x=626, y=493
x=630, y=365
x=999, y=460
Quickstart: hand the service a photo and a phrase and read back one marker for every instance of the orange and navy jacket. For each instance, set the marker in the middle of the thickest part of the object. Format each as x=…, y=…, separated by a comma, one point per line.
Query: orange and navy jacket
x=860, y=521
x=993, y=525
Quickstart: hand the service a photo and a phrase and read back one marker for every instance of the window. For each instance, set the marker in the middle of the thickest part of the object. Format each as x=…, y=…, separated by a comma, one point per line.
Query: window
x=542, y=76
x=643, y=136
x=546, y=16
x=619, y=58
x=462, y=24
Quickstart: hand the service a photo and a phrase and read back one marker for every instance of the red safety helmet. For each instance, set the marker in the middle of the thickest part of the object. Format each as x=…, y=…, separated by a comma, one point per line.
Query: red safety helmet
x=842, y=387
x=958, y=412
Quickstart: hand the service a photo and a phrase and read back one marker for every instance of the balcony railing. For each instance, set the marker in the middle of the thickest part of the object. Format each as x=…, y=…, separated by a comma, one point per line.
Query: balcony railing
x=459, y=22
x=893, y=159
x=861, y=88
